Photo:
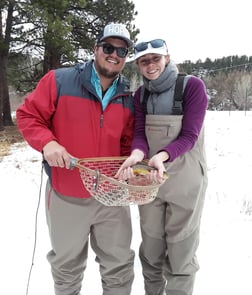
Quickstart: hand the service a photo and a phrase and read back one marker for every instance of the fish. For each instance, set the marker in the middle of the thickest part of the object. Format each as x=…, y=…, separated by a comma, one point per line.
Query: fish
x=144, y=169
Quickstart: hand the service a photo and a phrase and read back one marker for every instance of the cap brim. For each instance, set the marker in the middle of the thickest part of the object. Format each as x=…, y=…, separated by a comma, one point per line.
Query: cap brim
x=161, y=51
x=128, y=41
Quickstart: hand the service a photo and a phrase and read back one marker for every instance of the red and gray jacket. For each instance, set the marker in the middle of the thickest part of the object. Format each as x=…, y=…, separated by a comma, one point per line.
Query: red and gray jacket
x=65, y=107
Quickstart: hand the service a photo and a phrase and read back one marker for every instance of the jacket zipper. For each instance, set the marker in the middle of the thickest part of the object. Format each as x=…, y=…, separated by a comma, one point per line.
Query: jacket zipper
x=101, y=120
x=102, y=116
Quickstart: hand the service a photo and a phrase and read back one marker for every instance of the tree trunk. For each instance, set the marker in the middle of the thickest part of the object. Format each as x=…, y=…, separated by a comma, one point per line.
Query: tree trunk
x=1, y=92
x=1, y=102
x=5, y=112
x=51, y=60
x=6, y=119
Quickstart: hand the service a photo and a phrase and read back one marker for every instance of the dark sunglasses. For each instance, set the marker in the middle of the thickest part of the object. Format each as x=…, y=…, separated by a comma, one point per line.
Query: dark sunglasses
x=109, y=48
x=157, y=43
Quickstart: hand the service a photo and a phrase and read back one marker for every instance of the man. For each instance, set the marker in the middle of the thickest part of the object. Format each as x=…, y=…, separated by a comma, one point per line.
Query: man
x=84, y=111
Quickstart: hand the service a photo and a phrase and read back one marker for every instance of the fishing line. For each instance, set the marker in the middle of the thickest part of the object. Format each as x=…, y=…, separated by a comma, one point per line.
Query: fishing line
x=36, y=230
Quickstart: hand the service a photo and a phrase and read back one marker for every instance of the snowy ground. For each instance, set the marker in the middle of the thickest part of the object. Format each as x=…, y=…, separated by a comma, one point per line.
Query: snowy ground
x=225, y=251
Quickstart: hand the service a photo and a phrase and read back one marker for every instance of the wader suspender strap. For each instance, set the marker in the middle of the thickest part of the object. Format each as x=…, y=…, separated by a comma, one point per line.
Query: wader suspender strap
x=178, y=96
x=145, y=98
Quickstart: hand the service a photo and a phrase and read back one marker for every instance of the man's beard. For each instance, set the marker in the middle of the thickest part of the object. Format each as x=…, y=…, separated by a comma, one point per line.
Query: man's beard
x=105, y=73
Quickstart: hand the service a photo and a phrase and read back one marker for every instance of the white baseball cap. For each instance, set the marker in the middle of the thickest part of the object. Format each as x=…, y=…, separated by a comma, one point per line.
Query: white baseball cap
x=156, y=46
x=115, y=31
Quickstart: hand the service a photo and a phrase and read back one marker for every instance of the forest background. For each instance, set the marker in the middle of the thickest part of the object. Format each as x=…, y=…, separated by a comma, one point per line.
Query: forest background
x=39, y=35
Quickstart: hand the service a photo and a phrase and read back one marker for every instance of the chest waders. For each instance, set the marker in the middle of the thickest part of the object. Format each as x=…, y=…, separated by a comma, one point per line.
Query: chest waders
x=170, y=224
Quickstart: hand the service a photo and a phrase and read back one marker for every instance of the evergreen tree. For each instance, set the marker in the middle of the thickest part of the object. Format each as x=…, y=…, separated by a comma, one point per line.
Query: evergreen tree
x=52, y=32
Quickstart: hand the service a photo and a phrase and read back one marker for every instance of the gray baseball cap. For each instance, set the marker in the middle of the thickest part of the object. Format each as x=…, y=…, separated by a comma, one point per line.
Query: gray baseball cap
x=115, y=31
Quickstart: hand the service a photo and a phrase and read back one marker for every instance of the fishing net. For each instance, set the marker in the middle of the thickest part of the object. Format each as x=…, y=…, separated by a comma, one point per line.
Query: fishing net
x=97, y=175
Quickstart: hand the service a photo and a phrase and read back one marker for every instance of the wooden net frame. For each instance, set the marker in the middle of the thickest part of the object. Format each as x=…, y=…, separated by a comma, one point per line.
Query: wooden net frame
x=97, y=175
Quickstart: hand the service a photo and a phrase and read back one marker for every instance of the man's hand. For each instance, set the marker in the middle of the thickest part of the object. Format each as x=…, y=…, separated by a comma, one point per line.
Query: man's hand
x=56, y=155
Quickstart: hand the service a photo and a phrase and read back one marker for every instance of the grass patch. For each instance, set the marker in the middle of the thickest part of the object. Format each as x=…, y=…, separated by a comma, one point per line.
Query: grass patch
x=8, y=137
x=4, y=149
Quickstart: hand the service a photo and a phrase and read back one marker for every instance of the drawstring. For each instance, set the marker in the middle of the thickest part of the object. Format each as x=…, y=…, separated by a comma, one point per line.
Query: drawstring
x=36, y=230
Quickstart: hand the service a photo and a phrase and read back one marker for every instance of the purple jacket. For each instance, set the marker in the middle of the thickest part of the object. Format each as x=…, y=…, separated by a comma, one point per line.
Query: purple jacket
x=195, y=104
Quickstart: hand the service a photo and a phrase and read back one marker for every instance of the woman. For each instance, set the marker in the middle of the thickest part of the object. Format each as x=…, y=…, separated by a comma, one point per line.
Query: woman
x=173, y=143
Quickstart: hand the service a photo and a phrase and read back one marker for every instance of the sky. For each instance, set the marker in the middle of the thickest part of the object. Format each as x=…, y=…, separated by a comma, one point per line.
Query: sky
x=225, y=250
x=197, y=29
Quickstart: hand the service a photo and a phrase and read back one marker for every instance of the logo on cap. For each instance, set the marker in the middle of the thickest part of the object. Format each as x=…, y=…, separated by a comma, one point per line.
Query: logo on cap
x=117, y=30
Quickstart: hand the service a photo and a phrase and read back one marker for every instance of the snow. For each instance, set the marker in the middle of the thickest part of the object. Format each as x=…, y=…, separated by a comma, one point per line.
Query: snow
x=224, y=253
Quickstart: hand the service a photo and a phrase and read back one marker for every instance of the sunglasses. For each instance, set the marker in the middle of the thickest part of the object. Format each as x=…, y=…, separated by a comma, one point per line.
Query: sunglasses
x=109, y=48
x=157, y=43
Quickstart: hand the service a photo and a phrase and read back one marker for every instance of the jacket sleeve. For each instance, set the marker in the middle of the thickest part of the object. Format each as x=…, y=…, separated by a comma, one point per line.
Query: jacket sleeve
x=140, y=140
x=35, y=114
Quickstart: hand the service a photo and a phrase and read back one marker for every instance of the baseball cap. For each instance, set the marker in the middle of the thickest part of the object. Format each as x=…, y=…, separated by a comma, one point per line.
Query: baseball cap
x=156, y=46
x=116, y=31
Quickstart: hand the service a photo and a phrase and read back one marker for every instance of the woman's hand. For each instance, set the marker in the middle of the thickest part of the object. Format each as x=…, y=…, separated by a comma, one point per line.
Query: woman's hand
x=125, y=171
x=157, y=161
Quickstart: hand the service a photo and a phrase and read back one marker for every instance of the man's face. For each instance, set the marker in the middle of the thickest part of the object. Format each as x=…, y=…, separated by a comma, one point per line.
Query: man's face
x=109, y=64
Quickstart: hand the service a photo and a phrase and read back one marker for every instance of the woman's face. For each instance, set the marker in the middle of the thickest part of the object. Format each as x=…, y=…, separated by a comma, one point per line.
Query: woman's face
x=152, y=65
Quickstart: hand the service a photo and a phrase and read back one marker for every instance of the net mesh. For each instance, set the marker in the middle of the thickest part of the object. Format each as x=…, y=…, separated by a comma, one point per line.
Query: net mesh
x=97, y=175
